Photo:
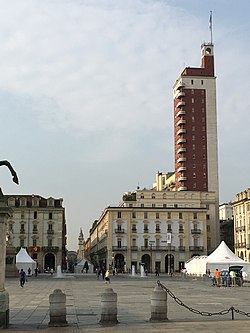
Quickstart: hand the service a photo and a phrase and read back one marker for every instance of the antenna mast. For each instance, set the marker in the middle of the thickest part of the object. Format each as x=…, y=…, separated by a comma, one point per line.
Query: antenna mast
x=211, y=26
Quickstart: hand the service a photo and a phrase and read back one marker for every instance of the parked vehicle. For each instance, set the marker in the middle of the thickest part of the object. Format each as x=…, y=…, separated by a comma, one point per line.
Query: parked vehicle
x=226, y=279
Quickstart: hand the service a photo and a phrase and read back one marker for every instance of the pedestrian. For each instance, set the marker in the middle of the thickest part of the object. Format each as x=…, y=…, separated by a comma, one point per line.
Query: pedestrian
x=22, y=277
x=36, y=271
x=103, y=272
x=29, y=271
x=217, y=277
x=51, y=271
x=107, y=276
x=157, y=272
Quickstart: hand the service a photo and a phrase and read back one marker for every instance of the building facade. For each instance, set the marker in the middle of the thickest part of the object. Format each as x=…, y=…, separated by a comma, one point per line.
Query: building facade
x=227, y=224
x=159, y=229
x=241, y=208
x=39, y=225
x=195, y=129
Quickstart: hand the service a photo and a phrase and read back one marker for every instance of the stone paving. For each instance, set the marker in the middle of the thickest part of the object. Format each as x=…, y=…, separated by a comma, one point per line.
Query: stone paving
x=29, y=306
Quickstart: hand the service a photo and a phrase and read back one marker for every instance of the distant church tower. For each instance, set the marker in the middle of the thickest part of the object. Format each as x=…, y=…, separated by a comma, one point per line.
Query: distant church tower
x=81, y=246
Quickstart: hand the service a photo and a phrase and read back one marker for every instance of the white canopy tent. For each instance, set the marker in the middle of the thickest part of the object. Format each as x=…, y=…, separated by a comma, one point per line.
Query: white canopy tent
x=24, y=261
x=221, y=258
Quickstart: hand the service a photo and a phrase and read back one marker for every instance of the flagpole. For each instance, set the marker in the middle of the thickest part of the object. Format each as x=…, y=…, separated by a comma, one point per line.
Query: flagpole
x=211, y=26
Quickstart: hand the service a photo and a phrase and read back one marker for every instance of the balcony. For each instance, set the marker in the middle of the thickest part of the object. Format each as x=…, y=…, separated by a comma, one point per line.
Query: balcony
x=35, y=231
x=181, y=159
x=157, y=231
x=181, y=150
x=181, y=140
x=180, y=85
x=181, y=122
x=181, y=248
x=182, y=179
x=50, y=248
x=119, y=231
x=145, y=231
x=196, y=248
x=134, y=248
x=181, y=131
x=181, y=231
x=134, y=230
x=119, y=248
x=182, y=188
x=195, y=231
x=180, y=94
x=22, y=231
x=50, y=232
x=182, y=168
x=180, y=104
x=180, y=113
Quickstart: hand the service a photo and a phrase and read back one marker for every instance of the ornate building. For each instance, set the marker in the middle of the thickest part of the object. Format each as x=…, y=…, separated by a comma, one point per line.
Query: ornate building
x=160, y=229
x=39, y=225
x=241, y=207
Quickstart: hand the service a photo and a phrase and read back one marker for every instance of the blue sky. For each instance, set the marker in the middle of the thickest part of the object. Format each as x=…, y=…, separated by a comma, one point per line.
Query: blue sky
x=86, y=105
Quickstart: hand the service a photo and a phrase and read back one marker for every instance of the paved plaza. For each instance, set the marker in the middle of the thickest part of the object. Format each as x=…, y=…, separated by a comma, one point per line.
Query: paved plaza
x=29, y=306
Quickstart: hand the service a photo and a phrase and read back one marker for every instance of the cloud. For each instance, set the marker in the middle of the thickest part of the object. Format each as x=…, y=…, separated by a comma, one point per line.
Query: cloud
x=92, y=64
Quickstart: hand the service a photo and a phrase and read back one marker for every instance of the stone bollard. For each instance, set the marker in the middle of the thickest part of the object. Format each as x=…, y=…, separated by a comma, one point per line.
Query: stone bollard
x=4, y=309
x=109, y=307
x=158, y=305
x=57, y=309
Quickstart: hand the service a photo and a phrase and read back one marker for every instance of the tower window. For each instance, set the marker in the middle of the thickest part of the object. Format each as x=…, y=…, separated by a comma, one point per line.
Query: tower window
x=193, y=137
x=192, y=109
x=203, y=138
x=194, y=175
x=192, y=100
x=193, y=128
x=202, y=110
x=192, y=91
x=202, y=101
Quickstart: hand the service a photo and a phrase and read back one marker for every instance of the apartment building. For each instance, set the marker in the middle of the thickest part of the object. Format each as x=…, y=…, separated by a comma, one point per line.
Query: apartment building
x=39, y=225
x=241, y=209
x=159, y=229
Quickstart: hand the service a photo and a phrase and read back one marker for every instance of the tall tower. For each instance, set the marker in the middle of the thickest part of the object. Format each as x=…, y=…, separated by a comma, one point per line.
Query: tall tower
x=195, y=126
x=81, y=246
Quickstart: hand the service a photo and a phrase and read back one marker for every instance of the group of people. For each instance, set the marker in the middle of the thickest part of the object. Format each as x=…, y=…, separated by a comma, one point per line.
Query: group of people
x=229, y=278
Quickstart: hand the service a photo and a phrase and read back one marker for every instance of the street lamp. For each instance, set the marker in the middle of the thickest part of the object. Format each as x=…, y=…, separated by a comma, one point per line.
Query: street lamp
x=151, y=243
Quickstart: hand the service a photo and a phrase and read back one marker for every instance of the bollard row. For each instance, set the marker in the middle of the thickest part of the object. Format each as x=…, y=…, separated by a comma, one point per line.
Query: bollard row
x=57, y=309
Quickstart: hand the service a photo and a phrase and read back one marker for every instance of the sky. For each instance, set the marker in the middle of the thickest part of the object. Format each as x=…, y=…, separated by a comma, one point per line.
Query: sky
x=86, y=103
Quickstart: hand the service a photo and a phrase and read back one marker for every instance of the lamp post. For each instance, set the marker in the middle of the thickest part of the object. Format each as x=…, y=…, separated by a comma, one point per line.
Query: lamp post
x=151, y=243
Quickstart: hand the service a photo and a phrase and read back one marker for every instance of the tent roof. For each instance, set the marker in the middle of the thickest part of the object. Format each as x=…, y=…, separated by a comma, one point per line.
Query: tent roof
x=224, y=255
x=22, y=256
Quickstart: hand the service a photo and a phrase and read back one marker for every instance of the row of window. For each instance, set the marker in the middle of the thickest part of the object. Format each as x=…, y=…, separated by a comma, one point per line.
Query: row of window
x=34, y=242
x=157, y=215
x=35, y=215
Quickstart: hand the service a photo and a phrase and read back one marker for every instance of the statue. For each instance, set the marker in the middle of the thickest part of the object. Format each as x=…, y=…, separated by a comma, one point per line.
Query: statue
x=13, y=172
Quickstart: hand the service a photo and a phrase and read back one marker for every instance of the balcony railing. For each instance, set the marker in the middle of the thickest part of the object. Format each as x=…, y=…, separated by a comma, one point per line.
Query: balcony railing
x=134, y=248
x=119, y=248
x=180, y=104
x=181, y=231
x=50, y=248
x=195, y=231
x=181, y=159
x=134, y=230
x=181, y=140
x=157, y=248
x=22, y=231
x=181, y=131
x=145, y=231
x=119, y=231
x=182, y=168
x=50, y=232
x=180, y=113
x=196, y=248
x=181, y=248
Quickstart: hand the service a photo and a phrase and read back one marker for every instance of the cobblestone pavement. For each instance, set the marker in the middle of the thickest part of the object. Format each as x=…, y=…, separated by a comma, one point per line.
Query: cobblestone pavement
x=29, y=306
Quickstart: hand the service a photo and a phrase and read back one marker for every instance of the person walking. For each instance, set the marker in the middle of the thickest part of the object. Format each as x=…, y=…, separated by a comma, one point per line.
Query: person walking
x=22, y=277
x=107, y=276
